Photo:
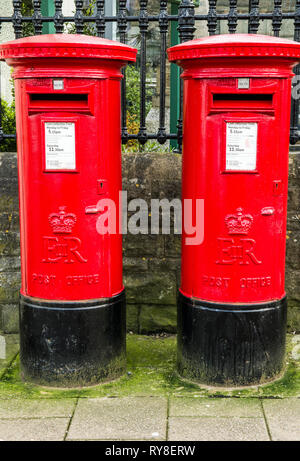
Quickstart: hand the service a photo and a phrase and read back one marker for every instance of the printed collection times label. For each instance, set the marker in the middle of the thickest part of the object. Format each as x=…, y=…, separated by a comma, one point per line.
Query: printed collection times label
x=241, y=146
x=60, y=146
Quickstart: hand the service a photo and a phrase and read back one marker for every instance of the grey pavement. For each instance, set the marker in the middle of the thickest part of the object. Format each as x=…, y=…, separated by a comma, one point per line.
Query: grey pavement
x=151, y=418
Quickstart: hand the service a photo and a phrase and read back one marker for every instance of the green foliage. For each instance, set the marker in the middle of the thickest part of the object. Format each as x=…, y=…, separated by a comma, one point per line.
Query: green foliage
x=155, y=146
x=133, y=112
x=27, y=10
x=89, y=28
x=133, y=105
x=8, y=125
x=133, y=93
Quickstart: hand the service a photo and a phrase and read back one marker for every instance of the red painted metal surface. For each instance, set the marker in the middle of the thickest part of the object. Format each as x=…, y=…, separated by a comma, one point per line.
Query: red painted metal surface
x=236, y=114
x=69, y=157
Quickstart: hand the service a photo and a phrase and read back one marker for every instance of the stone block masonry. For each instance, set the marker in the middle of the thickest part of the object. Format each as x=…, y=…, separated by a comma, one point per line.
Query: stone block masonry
x=151, y=262
x=9, y=243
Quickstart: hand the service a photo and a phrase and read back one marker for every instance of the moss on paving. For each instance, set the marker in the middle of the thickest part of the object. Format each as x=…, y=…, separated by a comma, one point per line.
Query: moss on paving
x=151, y=370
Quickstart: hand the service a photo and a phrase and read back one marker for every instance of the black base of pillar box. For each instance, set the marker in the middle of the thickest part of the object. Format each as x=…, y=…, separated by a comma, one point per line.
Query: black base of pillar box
x=72, y=343
x=230, y=344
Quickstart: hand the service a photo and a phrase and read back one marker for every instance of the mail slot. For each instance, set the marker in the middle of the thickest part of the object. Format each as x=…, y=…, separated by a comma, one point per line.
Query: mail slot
x=232, y=301
x=242, y=101
x=66, y=101
x=72, y=300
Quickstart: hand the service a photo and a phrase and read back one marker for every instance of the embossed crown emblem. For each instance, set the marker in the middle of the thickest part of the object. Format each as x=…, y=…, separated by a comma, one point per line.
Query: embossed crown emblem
x=239, y=223
x=62, y=222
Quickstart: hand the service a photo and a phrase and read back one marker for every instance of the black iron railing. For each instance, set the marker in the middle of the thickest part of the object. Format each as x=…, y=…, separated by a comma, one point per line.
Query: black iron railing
x=186, y=20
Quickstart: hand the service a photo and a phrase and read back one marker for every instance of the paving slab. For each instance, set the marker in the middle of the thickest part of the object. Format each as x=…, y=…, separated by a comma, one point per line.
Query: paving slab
x=283, y=418
x=217, y=429
x=36, y=408
x=226, y=407
x=46, y=429
x=126, y=418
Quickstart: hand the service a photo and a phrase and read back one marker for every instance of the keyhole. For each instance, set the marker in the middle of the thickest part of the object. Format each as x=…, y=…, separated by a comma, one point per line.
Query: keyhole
x=101, y=186
x=277, y=187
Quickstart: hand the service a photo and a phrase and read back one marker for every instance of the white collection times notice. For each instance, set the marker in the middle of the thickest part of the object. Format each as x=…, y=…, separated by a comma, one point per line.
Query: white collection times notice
x=60, y=146
x=241, y=146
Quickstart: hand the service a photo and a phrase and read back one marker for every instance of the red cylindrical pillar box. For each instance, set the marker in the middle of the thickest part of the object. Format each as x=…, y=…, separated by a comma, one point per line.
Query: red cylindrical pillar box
x=236, y=117
x=72, y=303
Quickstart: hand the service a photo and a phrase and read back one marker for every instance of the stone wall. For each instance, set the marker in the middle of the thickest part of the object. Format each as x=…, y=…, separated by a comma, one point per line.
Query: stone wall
x=151, y=262
x=9, y=243
x=293, y=243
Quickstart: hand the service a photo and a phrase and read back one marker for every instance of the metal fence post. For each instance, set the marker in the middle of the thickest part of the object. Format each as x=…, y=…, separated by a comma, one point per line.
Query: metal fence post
x=174, y=80
x=48, y=10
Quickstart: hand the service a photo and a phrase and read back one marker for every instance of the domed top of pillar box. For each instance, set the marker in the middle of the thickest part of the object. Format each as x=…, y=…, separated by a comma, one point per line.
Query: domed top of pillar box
x=236, y=54
x=54, y=54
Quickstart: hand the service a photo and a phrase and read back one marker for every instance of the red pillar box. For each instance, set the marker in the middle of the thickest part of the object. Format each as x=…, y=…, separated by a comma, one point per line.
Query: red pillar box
x=72, y=303
x=236, y=113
